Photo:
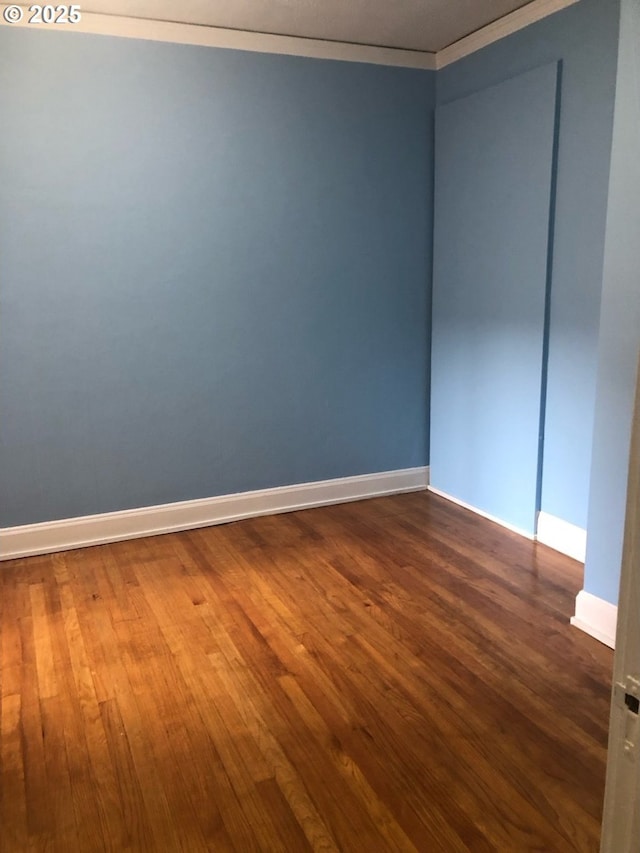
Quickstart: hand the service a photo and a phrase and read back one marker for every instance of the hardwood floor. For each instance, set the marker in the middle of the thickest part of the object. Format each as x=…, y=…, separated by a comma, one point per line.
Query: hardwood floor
x=392, y=675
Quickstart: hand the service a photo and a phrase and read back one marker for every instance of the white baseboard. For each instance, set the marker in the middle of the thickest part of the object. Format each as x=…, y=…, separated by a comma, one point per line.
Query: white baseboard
x=562, y=536
x=84, y=531
x=596, y=617
x=481, y=512
x=551, y=531
x=593, y=615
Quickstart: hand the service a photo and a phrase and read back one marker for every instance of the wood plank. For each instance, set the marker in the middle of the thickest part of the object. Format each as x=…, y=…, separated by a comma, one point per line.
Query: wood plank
x=391, y=675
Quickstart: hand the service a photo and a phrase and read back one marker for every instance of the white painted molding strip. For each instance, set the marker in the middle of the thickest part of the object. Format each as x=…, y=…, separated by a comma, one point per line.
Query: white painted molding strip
x=480, y=512
x=596, y=617
x=562, y=536
x=205, y=36
x=82, y=532
x=183, y=33
x=593, y=615
x=505, y=26
x=551, y=531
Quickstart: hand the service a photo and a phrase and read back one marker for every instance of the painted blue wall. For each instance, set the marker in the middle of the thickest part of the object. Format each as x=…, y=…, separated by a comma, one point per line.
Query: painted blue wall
x=584, y=38
x=619, y=340
x=493, y=187
x=214, y=271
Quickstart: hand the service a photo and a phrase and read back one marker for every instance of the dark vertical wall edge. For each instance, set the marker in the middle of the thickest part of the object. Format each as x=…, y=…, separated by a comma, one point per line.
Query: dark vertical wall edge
x=549, y=279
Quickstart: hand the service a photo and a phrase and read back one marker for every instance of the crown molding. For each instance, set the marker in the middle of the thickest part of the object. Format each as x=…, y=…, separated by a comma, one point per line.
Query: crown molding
x=505, y=26
x=181, y=33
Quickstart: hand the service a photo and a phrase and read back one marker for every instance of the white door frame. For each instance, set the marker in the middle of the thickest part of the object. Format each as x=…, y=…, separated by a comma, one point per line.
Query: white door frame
x=621, y=821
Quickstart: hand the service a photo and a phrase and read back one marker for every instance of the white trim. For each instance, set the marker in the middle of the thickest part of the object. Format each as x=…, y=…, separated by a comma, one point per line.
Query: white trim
x=596, y=617
x=562, y=536
x=621, y=815
x=481, y=512
x=182, y=33
x=505, y=26
x=551, y=531
x=82, y=532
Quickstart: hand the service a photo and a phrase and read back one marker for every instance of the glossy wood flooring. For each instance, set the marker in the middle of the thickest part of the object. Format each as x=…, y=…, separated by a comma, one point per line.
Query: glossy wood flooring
x=392, y=675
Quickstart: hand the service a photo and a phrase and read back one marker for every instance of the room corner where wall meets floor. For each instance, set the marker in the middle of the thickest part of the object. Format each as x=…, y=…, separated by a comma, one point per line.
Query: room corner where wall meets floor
x=593, y=615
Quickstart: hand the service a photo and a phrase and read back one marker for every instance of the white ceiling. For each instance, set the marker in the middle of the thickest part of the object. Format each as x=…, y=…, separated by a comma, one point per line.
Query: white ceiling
x=426, y=25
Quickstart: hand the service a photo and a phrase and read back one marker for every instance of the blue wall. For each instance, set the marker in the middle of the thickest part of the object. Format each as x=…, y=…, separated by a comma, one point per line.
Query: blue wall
x=584, y=37
x=493, y=187
x=214, y=271
x=619, y=341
